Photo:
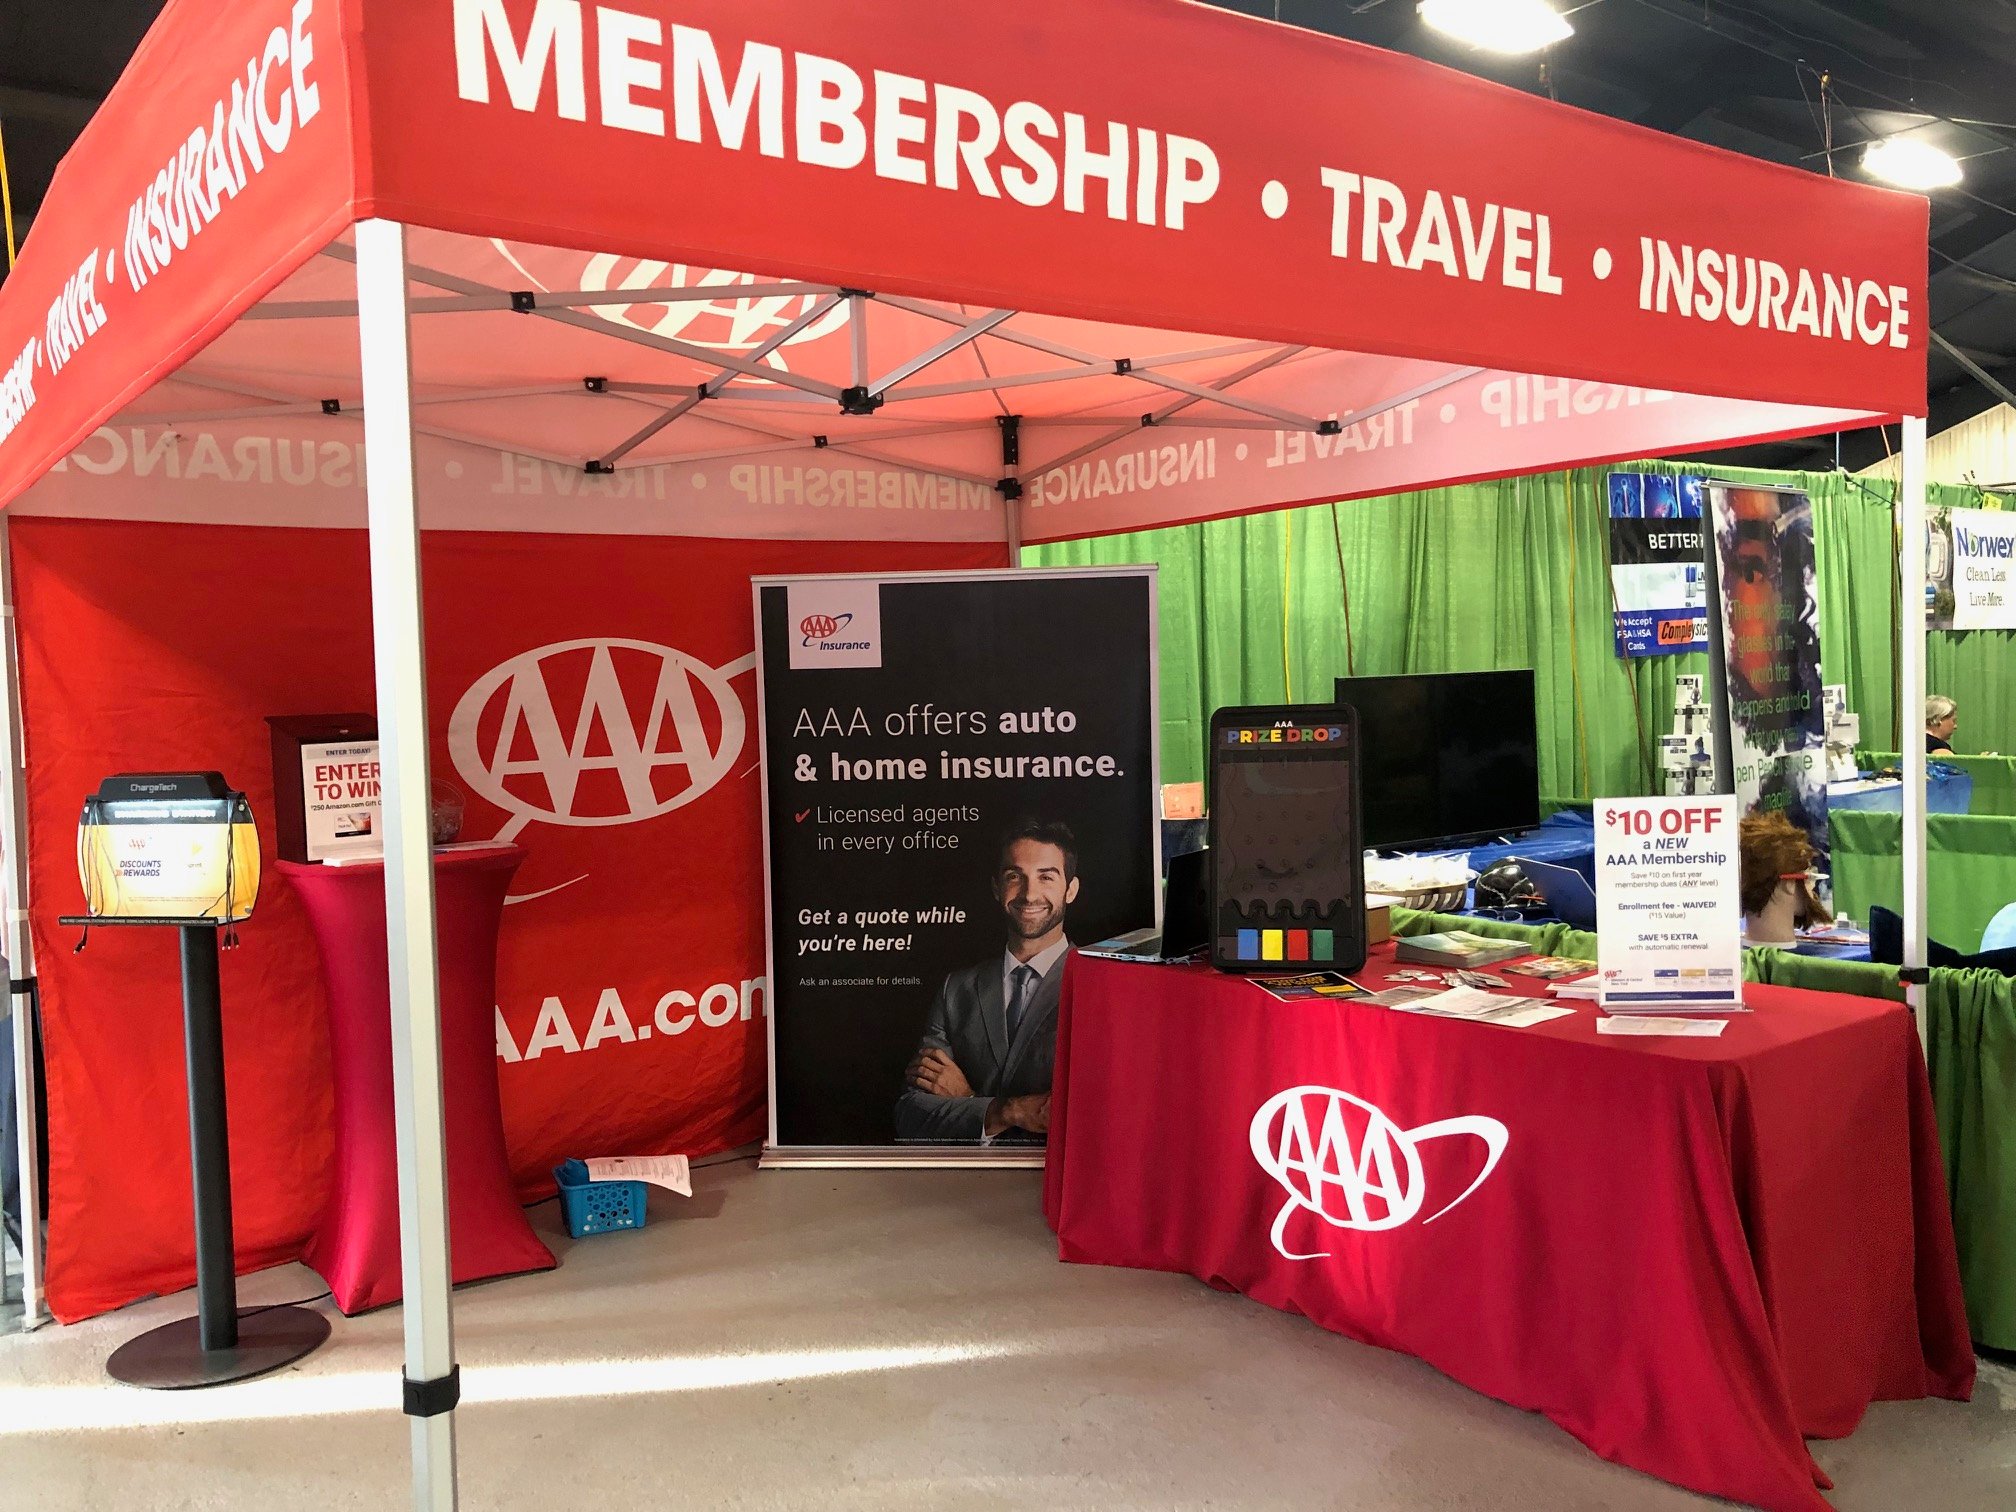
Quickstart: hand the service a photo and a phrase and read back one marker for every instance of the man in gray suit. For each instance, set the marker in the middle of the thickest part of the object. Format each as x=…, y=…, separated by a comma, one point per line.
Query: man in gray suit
x=982, y=1072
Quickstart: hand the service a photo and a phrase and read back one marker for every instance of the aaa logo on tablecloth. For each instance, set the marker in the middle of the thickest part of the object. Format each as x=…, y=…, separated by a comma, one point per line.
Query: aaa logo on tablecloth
x=1345, y=1160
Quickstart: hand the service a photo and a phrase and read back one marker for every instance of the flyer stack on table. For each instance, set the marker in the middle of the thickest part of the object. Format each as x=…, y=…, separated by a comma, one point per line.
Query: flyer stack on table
x=1691, y=1253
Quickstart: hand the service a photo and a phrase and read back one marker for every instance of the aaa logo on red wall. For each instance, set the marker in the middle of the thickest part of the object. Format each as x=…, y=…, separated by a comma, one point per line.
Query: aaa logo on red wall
x=598, y=732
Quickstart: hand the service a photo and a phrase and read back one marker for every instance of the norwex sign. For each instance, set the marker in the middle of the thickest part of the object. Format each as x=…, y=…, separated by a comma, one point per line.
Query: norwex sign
x=1970, y=556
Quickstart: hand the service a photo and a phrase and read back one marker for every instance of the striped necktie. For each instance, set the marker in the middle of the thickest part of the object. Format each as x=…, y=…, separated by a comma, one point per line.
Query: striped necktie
x=1022, y=987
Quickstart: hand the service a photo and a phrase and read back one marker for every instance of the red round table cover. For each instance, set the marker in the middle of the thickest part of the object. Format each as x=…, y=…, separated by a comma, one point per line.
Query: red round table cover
x=1689, y=1253
x=355, y=1246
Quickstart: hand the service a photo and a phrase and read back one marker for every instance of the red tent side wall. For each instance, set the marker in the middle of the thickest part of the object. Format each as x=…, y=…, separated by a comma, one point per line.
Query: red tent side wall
x=164, y=647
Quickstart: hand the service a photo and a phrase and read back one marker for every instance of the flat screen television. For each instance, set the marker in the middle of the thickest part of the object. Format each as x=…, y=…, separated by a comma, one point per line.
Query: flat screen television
x=1445, y=757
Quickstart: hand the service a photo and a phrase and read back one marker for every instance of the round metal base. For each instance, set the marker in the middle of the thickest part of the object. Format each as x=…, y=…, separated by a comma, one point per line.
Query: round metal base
x=172, y=1357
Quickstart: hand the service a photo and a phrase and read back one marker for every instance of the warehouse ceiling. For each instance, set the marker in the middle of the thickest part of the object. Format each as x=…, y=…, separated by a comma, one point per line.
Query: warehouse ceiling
x=1777, y=79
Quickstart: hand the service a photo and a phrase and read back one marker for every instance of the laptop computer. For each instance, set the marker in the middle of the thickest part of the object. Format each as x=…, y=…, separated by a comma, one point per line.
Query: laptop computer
x=1565, y=890
x=1186, y=910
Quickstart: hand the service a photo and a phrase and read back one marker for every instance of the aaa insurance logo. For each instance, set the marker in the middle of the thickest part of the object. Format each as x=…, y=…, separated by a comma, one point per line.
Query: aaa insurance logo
x=593, y=733
x=824, y=630
x=1343, y=1159
x=838, y=622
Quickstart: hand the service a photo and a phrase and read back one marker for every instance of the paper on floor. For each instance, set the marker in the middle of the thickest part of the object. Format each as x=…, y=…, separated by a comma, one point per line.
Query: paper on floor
x=668, y=1171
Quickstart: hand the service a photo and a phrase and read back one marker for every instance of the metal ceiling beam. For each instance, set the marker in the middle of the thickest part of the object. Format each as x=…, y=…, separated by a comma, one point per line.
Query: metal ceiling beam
x=1286, y=417
x=962, y=337
x=440, y=304
x=1133, y=423
x=298, y=405
x=56, y=107
x=1004, y=381
x=949, y=316
x=860, y=450
x=597, y=326
x=1093, y=369
x=1981, y=375
x=608, y=460
x=278, y=404
x=1149, y=421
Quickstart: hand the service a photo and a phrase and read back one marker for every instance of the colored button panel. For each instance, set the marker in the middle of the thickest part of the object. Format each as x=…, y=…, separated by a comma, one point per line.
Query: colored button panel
x=1270, y=945
x=1322, y=945
x=1249, y=944
x=1298, y=945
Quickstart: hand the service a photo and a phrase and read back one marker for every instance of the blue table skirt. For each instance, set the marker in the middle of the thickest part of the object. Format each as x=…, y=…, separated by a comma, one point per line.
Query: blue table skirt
x=1565, y=839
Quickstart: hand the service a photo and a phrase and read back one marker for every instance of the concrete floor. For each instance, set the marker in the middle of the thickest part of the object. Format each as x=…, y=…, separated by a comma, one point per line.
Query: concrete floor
x=871, y=1340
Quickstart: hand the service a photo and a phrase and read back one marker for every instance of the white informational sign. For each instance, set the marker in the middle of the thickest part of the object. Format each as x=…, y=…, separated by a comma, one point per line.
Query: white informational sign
x=1970, y=567
x=1669, y=912
x=339, y=797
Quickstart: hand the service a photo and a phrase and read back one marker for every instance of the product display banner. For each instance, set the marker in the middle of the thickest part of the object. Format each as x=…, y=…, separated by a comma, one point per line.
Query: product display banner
x=1669, y=912
x=1969, y=555
x=1657, y=583
x=1769, y=721
x=960, y=784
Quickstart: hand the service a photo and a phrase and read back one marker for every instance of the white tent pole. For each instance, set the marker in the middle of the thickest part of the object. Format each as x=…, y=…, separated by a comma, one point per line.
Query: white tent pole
x=1911, y=692
x=398, y=641
x=20, y=948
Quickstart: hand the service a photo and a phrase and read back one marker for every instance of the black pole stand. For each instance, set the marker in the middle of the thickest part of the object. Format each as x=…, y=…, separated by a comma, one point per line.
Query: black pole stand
x=222, y=1342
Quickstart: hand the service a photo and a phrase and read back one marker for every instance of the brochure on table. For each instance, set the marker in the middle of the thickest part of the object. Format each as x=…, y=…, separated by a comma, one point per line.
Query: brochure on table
x=1669, y=913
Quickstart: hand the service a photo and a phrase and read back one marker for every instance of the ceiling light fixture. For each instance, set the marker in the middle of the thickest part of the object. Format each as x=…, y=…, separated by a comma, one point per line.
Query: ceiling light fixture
x=1911, y=164
x=1501, y=26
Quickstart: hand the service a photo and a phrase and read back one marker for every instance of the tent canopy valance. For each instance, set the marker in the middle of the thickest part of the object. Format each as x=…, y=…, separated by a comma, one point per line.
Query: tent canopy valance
x=1005, y=277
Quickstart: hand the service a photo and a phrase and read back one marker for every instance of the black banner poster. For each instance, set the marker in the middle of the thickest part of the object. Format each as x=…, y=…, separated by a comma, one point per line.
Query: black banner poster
x=959, y=784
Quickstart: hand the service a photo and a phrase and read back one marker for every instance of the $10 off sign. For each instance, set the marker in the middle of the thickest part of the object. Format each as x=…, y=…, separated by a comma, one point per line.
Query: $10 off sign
x=1669, y=915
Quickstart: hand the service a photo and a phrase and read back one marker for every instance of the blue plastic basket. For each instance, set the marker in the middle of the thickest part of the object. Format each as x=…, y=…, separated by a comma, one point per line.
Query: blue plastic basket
x=597, y=1207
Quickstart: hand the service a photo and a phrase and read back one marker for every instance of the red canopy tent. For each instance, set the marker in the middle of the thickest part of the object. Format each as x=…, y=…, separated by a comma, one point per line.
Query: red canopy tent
x=976, y=261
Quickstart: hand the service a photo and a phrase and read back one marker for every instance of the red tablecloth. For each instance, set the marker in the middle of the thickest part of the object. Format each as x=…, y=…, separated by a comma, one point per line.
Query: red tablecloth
x=1689, y=1253
x=355, y=1247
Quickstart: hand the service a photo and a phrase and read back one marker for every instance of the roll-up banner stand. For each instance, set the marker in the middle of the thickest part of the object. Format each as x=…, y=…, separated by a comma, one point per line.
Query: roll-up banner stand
x=1764, y=655
x=960, y=783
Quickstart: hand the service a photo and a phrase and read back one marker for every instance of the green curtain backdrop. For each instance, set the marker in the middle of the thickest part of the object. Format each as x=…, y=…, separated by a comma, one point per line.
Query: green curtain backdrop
x=1511, y=573
x=1970, y=869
